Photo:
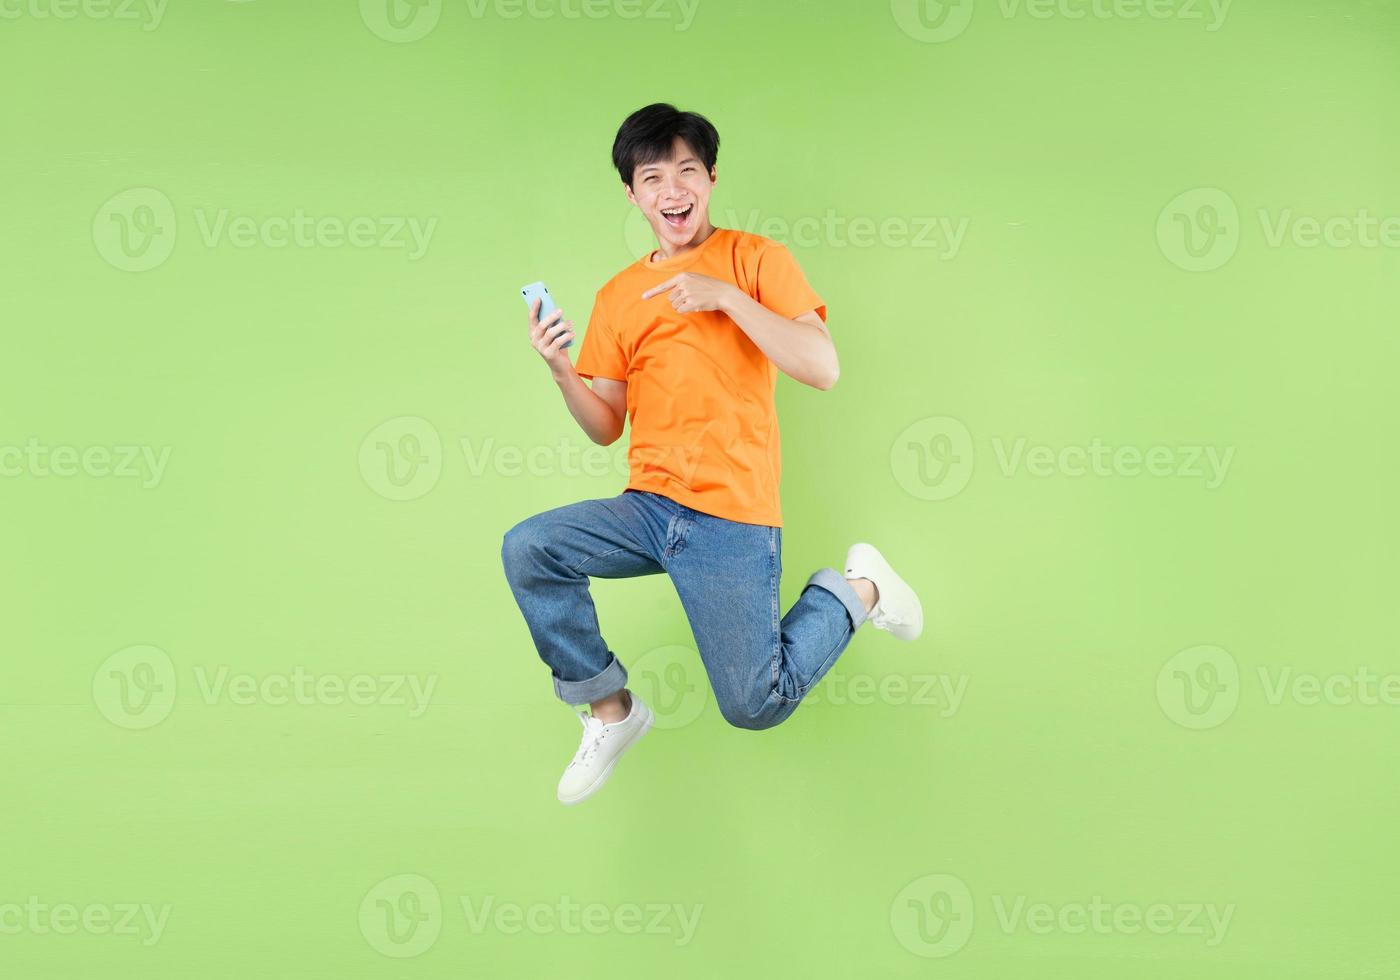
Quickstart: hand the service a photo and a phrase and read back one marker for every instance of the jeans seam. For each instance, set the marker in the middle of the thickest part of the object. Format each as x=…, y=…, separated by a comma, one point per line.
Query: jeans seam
x=604, y=554
x=831, y=655
x=773, y=591
x=802, y=691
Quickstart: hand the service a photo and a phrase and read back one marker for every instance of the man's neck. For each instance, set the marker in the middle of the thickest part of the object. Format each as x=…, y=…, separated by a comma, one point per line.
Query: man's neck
x=662, y=252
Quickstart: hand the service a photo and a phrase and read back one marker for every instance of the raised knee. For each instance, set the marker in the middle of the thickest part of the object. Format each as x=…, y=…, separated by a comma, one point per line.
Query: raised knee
x=517, y=546
x=748, y=715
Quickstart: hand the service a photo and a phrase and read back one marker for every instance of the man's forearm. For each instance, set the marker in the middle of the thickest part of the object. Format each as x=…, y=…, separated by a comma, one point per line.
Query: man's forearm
x=803, y=351
x=593, y=415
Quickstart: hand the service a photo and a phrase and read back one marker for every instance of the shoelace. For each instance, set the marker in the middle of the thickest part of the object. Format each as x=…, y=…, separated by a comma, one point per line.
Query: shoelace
x=594, y=731
x=880, y=618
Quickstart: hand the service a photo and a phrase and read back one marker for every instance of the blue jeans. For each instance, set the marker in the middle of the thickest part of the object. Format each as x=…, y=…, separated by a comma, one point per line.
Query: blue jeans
x=726, y=574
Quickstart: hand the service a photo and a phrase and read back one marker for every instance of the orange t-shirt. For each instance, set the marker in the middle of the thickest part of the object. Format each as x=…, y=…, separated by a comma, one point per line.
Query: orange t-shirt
x=699, y=391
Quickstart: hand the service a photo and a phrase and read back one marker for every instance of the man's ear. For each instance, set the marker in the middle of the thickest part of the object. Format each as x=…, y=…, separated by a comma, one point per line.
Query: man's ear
x=630, y=196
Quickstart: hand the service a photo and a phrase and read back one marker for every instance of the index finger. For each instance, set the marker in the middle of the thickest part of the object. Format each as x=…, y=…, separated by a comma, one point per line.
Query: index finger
x=661, y=288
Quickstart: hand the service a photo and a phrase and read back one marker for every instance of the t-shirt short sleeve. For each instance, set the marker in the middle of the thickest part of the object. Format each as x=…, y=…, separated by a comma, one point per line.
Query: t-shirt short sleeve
x=600, y=355
x=781, y=286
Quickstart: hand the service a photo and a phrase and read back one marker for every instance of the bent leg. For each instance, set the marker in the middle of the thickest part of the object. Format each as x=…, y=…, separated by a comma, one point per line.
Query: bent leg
x=727, y=575
x=548, y=560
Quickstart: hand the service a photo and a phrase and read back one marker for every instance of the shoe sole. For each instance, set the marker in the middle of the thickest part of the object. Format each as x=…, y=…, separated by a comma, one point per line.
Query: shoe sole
x=597, y=784
x=869, y=555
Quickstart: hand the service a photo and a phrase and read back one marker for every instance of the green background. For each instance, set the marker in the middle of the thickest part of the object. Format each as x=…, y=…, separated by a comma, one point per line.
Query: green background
x=271, y=542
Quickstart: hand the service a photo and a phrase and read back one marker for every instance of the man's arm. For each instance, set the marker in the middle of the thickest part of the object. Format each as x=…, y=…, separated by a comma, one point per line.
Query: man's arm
x=599, y=412
x=801, y=347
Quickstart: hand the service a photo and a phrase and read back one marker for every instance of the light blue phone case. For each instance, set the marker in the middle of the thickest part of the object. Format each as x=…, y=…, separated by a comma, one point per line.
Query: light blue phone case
x=537, y=291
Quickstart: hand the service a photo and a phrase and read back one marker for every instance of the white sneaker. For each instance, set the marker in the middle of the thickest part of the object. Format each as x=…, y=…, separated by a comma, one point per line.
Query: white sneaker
x=602, y=746
x=897, y=610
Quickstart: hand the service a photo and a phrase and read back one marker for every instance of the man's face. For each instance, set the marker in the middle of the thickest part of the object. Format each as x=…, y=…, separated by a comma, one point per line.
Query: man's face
x=674, y=195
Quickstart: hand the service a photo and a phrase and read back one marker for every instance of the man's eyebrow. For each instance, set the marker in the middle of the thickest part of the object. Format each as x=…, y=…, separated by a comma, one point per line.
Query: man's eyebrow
x=657, y=166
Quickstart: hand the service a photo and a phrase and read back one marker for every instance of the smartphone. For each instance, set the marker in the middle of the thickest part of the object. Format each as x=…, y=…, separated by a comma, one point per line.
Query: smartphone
x=538, y=291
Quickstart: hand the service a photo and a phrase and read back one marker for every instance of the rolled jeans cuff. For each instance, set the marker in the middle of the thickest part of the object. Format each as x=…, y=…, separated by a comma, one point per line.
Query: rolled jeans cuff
x=835, y=583
x=610, y=680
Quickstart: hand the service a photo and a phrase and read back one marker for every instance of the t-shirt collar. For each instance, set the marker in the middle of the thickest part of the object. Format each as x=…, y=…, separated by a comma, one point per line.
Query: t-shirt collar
x=685, y=258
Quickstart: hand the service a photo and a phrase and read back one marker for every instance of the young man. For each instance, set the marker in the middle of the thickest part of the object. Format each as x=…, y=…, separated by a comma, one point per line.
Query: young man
x=688, y=343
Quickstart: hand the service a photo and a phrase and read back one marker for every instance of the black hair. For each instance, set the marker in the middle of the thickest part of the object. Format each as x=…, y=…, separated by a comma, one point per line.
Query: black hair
x=649, y=134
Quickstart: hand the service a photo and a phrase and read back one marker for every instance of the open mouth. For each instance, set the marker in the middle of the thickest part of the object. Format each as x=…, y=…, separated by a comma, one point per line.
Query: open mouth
x=677, y=217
